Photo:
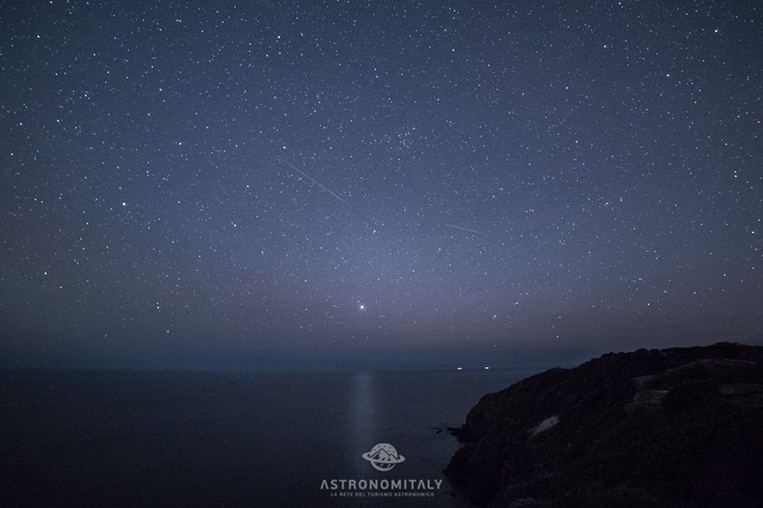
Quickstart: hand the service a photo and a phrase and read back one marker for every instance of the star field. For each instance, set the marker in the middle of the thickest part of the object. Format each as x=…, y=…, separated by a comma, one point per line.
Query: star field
x=313, y=184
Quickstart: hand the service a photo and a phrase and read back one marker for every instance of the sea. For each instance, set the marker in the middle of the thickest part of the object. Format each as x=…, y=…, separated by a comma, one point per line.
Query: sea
x=154, y=438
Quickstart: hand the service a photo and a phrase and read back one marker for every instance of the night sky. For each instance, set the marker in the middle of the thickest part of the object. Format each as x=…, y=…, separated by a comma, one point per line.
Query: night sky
x=321, y=184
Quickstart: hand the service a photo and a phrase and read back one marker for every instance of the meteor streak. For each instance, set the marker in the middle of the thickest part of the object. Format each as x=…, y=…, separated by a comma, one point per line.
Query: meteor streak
x=462, y=229
x=292, y=166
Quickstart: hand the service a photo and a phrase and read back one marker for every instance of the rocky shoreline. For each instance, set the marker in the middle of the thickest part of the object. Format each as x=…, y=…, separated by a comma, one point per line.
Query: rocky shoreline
x=672, y=427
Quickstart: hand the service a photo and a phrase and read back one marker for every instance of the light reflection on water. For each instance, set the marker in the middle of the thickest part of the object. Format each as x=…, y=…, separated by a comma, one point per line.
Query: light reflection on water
x=364, y=418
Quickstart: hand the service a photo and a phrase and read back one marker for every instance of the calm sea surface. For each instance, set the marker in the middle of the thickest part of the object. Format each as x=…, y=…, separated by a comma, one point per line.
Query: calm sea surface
x=229, y=439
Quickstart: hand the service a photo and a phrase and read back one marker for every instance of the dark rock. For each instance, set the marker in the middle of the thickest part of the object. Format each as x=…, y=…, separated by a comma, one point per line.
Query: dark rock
x=673, y=427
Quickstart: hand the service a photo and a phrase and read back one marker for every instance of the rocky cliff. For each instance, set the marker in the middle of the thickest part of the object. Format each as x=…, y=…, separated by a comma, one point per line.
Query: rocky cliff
x=672, y=427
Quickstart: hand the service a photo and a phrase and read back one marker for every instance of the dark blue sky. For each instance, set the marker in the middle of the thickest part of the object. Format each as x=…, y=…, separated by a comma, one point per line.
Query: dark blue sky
x=376, y=184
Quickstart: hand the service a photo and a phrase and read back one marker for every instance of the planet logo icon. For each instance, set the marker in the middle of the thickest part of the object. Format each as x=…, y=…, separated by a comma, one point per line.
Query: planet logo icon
x=383, y=457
